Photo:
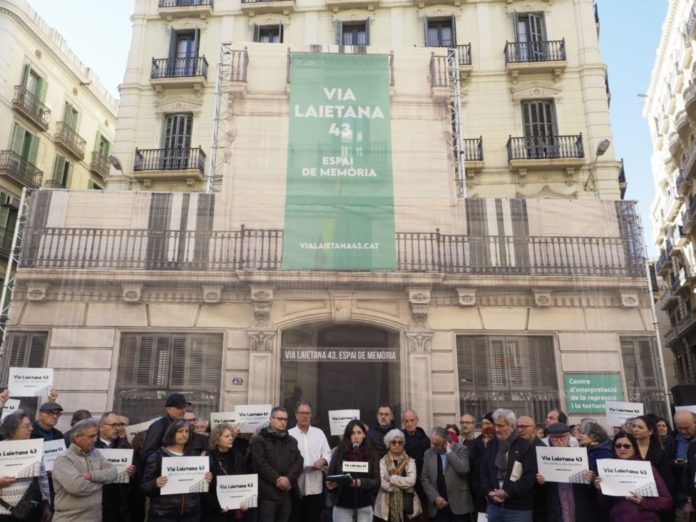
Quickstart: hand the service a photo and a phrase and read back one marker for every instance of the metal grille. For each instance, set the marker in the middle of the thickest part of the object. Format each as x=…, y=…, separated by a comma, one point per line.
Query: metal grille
x=639, y=355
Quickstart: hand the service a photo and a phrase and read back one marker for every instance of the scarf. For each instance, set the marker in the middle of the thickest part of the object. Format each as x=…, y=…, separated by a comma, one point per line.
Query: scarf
x=501, y=457
x=396, y=498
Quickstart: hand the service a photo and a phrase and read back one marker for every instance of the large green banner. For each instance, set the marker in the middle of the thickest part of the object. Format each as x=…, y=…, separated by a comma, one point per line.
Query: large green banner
x=339, y=208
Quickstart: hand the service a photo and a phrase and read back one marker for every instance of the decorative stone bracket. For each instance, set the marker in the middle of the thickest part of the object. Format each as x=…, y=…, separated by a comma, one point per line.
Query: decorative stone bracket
x=467, y=296
x=37, y=291
x=419, y=342
x=212, y=294
x=629, y=299
x=261, y=299
x=419, y=298
x=261, y=340
x=542, y=298
x=132, y=292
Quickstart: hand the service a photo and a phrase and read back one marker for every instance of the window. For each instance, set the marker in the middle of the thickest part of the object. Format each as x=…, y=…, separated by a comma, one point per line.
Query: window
x=353, y=33
x=152, y=365
x=62, y=170
x=8, y=220
x=513, y=372
x=539, y=121
x=440, y=32
x=102, y=147
x=268, y=33
x=25, y=144
x=34, y=83
x=177, y=141
x=25, y=350
x=70, y=116
x=529, y=27
x=183, y=52
x=641, y=368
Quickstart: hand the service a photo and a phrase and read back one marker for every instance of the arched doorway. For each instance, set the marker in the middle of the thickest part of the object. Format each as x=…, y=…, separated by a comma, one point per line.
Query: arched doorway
x=336, y=367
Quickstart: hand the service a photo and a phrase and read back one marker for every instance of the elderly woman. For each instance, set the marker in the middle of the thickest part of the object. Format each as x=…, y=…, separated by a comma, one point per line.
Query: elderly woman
x=396, y=500
x=224, y=460
x=17, y=426
x=635, y=508
x=593, y=437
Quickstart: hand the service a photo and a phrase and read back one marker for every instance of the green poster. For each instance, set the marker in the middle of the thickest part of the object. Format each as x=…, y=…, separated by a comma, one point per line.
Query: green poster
x=587, y=392
x=339, y=207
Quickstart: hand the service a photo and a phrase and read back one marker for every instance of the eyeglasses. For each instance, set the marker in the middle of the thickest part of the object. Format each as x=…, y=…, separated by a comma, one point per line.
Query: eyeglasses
x=623, y=446
x=397, y=443
x=304, y=412
x=466, y=422
x=281, y=419
x=114, y=424
x=524, y=426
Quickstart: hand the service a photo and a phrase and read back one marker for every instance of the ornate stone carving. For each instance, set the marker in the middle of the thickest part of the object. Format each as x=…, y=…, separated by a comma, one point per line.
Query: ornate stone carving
x=536, y=90
x=542, y=298
x=261, y=299
x=212, y=294
x=178, y=104
x=629, y=299
x=261, y=340
x=467, y=296
x=419, y=298
x=37, y=291
x=132, y=292
x=419, y=342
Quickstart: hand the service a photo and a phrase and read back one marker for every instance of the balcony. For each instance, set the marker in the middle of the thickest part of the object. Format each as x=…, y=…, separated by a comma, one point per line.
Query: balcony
x=535, y=57
x=19, y=170
x=253, y=7
x=681, y=123
x=663, y=264
x=439, y=78
x=5, y=243
x=99, y=164
x=690, y=99
x=673, y=203
x=70, y=140
x=682, y=184
x=546, y=153
x=464, y=55
x=170, y=9
x=473, y=153
x=29, y=106
x=690, y=28
x=191, y=72
x=169, y=165
x=679, y=237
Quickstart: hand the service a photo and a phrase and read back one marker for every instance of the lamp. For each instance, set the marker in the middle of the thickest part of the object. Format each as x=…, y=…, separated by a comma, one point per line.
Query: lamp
x=602, y=147
x=116, y=163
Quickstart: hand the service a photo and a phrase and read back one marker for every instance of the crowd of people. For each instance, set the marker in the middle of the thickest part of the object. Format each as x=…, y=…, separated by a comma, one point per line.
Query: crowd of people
x=382, y=472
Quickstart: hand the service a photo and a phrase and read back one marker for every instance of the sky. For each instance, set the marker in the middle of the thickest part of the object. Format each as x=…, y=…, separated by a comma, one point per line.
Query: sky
x=99, y=33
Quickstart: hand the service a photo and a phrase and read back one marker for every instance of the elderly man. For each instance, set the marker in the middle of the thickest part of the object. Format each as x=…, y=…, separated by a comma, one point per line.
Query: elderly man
x=78, y=477
x=554, y=416
x=316, y=455
x=467, y=424
x=175, y=408
x=676, y=453
x=416, y=443
x=114, y=496
x=508, y=472
x=45, y=426
x=527, y=430
x=278, y=463
x=385, y=423
x=445, y=480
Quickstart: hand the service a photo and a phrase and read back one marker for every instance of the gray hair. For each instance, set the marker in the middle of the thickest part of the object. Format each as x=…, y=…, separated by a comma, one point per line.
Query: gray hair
x=507, y=415
x=393, y=434
x=594, y=431
x=82, y=426
x=438, y=431
x=106, y=415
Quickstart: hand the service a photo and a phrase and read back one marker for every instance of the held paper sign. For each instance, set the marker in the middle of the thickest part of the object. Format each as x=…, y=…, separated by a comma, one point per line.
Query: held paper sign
x=563, y=464
x=621, y=478
x=184, y=475
x=251, y=416
x=237, y=491
x=223, y=417
x=52, y=450
x=339, y=419
x=10, y=407
x=21, y=458
x=30, y=382
x=134, y=429
x=620, y=412
x=119, y=459
x=355, y=467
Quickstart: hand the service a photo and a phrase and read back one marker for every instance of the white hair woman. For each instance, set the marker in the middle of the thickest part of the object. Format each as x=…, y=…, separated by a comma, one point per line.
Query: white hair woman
x=396, y=501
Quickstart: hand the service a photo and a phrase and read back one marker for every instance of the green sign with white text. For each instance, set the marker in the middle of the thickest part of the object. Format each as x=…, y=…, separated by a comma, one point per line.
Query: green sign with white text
x=339, y=206
x=588, y=392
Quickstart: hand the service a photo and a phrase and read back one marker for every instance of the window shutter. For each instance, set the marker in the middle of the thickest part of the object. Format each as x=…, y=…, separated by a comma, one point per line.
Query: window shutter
x=17, y=139
x=127, y=360
x=33, y=149
x=36, y=351
x=630, y=365
x=367, y=32
x=256, y=31
x=426, y=39
x=466, y=361
x=59, y=169
x=515, y=22
x=24, y=350
x=172, y=46
x=648, y=366
x=25, y=76
x=280, y=33
x=454, y=31
x=179, y=361
x=43, y=87
x=196, y=41
x=339, y=33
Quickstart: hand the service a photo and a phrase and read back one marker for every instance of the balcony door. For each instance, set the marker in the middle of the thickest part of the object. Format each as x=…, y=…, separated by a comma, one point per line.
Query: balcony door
x=177, y=141
x=183, y=53
x=353, y=33
x=26, y=146
x=70, y=116
x=440, y=32
x=540, y=132
x=530, y=34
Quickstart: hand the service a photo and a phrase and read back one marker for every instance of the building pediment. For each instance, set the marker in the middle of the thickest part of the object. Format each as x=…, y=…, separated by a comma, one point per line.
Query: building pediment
x=436, y=11
x=351, y=15
x=535, y=90
x=528, y=6
x=270, y=19
x=178, y=104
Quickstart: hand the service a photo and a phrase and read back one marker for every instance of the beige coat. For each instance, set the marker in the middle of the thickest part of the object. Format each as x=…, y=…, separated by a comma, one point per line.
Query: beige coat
x=395, y=482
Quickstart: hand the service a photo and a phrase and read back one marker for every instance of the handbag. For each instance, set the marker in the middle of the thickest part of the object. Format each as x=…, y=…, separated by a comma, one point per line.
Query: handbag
x=408, y=502
x=30, y=506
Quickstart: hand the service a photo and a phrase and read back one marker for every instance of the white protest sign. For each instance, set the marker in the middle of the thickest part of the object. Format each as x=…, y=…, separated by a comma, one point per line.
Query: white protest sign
x=251, y=416
x=620, y=412
x=223, y=417
x=10, y=407
x=691, y=408
x=237, y=491
x=134, y=429
x=52, y=450
x=354, y=466
x=621, y=478
x=184, y=475
x=120, y=459
x=30, y=382
x=21, y=458
x=339, y=419
x=563, y=464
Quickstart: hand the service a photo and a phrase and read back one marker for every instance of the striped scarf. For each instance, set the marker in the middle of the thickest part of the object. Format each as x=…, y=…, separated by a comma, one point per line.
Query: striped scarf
x=396, y=498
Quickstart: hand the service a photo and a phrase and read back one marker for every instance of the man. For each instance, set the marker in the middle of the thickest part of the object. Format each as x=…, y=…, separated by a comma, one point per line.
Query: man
x=676, y=453
x=467, y=424
x=278, y=462
x=78, y=416
x=316, y=454
x=45, y=426
x=445, y=480
x=508, y=472
x=200, y=425
x=555, y=416
x=527, y=430
x=175, y=408
x=114, y=496
x=385, y=423
x=198, y=442
x=78, y=476
x=416, y=443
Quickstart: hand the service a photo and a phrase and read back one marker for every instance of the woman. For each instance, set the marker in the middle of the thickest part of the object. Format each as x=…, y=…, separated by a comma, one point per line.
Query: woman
x=396, y=501
x=17, y=426
x=635, y=508
x=224, y=460
x=355, y=496
x=170, y=508
x=645, y=432
x=453, y=433
x=662, y=429
x=593, y=437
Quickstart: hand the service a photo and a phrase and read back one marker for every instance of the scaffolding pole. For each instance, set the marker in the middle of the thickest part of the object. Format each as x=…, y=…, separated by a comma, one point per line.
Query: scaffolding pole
x=455, y=109
x=218, y=144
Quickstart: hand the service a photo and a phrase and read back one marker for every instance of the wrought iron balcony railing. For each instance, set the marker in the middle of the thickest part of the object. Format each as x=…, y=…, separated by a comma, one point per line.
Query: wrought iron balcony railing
x=249, y=249
x=70, y=139
x=99, y=164
x=19, y=169
x=473, y=149
x=169, y=159
x=539, y=51
x=187, y=67
x=28, y=104
x=545, y=147
x=464, y=52
x=6, y=242
x=691, y=21
x=184, y=3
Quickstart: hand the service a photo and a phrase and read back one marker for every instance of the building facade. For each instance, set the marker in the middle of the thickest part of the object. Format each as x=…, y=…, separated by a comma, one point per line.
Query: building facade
x=291, y=218
x=671, y=113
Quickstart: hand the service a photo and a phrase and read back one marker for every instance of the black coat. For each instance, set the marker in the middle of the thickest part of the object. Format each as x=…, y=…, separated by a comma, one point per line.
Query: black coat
x=476, y=451
x=173, y=507
x=376, y=435
x=229, y=463
x=155, y=433
x=416, y=445
x=586, y=502
x=275, y=454
x=348, y=496
x=36, y=433
x=519, y=491
x=115, y=496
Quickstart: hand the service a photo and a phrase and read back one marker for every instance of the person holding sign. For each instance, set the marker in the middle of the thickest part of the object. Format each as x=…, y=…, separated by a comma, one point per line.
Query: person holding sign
x=356, y=463
x=115, y=496
x=183, y=507
x=396, y=500
x=17, y=426
x=635, y=507
x=224, y=460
